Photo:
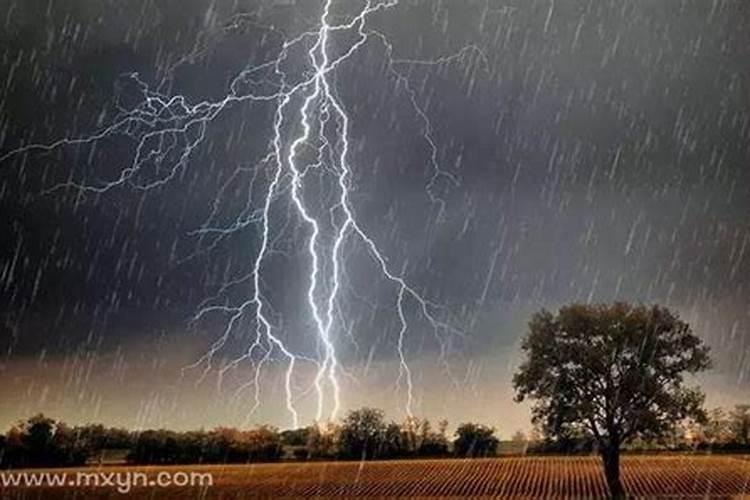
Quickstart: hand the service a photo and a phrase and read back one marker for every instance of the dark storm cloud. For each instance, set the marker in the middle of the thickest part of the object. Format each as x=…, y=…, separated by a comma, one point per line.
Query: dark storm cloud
x=601, y=147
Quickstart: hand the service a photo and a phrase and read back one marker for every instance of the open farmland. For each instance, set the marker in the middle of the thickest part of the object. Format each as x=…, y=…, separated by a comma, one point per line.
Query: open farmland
x=530, y=477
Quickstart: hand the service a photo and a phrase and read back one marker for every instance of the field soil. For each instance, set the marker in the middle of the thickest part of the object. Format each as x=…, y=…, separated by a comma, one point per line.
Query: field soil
x=674, y=476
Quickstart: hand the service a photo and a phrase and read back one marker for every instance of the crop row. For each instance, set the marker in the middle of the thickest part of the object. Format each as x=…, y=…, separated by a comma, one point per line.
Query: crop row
x=532, y=477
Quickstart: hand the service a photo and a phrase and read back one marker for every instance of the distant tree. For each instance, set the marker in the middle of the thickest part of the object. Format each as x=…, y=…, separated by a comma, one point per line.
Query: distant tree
x=714, y=430
x=295, y=437
x=413, y=432
x=42, y=442
x=475, y=440
x=672, y=438
x=443, y=427
x=520, y=441
x=37, y=434
x=433, y=444
x=4, y=452
x=217, y=444
x=362, y=433
x=154, y=447
x=14, y=452
x=262, y=444
x=221, y=445
x=67, y=448
x=323, y=441
x=739, y=423
x=100, y=438
x=612, y=371
x=395, y=443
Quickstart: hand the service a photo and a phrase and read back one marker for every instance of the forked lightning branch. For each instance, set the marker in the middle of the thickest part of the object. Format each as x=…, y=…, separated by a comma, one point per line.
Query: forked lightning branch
x=308, y=112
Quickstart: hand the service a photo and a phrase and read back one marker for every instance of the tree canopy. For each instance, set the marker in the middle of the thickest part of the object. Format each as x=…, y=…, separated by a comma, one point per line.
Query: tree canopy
x=475, y=440
x=614, y=372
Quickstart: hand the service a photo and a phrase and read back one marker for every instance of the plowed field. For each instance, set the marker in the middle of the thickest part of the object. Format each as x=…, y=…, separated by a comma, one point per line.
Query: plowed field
x=528, y=477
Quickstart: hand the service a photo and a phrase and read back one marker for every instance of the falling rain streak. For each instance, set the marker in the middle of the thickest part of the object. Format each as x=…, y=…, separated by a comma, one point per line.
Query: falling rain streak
x=277, y=210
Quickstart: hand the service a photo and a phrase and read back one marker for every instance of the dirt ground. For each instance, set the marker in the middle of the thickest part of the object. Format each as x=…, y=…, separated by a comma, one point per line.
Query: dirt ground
x=675, y=476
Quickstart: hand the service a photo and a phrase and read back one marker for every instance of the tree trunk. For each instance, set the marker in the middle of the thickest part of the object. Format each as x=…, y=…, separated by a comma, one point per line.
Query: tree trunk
x=611, y=459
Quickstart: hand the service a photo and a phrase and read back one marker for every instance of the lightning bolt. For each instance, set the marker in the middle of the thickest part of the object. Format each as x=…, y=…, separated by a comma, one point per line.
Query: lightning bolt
x=168, y=129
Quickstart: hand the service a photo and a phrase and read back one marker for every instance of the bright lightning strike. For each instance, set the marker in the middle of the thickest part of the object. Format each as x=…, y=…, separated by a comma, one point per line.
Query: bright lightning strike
x=308, y=114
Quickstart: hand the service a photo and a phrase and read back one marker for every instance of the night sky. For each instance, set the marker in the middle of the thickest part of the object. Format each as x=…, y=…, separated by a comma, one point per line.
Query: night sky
x=586, y=151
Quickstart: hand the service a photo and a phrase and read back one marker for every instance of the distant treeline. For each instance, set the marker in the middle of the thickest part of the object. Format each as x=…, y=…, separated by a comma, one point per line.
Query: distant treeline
x=721, y=431
x=364, y=434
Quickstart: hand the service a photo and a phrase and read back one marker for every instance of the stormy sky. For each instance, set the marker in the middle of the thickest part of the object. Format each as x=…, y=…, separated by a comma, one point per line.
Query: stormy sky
x=588, y=151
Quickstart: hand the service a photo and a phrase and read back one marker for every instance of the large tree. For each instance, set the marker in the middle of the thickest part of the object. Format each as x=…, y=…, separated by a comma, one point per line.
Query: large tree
x=614, y=372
